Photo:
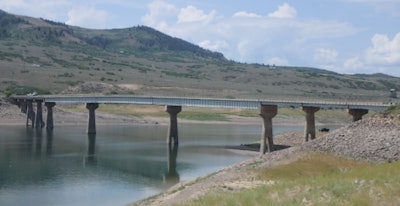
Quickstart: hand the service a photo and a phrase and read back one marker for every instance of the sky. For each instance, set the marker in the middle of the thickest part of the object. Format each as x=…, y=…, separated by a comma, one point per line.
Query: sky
x=344, y=36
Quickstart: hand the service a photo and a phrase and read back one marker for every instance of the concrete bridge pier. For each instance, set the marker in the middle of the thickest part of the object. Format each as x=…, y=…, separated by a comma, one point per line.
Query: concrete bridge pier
x=49, y=120
x=39, y=115
x=30, y=113
x=267, y=112
x=310, y=122
x=92, y=117
x=357, y=113
x=173, y=123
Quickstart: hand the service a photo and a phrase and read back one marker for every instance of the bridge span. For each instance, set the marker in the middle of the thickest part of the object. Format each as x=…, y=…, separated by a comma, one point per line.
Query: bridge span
x=268, y=110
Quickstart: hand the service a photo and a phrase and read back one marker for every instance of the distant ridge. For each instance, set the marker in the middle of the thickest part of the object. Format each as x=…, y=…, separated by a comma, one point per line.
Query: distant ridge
x=139, y=38
x=381, y=75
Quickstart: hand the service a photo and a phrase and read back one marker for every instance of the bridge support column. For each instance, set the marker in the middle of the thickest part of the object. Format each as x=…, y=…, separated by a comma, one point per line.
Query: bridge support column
x=357, y=113
x=92, y=117
x=23, y=106
x=49, y=120
x=30, y=113
x=309, y=131
x=267, y=112
x=173, y=124
x=39, y=115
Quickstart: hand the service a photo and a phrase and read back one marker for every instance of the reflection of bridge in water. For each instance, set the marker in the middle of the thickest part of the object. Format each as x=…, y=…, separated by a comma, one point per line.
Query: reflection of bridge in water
x=170, y=176
x=268, y=110
x=37, y=146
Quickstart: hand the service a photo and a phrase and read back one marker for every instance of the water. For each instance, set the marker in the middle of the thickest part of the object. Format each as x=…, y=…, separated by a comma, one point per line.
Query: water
x=122, y=164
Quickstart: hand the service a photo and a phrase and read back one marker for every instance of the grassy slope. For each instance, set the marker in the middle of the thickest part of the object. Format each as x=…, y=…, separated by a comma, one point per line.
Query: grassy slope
x=50, y=57
x=317, y=180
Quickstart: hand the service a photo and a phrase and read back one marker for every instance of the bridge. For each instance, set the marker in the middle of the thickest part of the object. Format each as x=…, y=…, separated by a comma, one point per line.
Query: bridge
x=268, y=110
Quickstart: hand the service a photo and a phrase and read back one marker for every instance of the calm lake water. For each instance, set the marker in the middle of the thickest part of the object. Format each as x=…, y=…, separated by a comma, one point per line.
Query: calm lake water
x=121, y=165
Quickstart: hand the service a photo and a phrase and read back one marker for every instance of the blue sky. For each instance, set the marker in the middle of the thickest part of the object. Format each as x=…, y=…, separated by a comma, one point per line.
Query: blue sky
x=345, y=36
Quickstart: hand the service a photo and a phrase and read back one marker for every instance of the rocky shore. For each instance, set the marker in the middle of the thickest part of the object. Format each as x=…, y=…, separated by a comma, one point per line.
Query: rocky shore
x=374, y=140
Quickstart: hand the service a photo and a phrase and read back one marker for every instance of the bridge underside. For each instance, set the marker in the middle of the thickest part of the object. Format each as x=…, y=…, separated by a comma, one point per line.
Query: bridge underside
x=267, y=113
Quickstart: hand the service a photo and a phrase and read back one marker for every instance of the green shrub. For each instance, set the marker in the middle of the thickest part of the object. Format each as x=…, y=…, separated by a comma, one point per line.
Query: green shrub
x=15, y=89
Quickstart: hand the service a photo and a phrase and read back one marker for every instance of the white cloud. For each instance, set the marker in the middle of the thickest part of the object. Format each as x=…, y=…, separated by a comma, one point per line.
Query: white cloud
x=325, y=56
x=246, y=14
x=9, y=5
x=382, y=57
x=384, y=51
x=277, y=61
x=315, y=29
x=382, y=7
x=216, y=45
x=243, y=49
x=88, y=17
x=353, y=64
x=284, y=11
x=282, y=40
x=192, y=14
x=160, y=13
x=52, y=10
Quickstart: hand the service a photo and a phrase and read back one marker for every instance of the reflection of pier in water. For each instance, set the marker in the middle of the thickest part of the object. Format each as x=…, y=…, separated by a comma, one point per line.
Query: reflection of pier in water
x=170, y=176
x=91, y=155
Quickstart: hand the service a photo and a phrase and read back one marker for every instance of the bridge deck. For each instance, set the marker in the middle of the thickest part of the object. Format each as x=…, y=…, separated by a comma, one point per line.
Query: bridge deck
x=203, y=102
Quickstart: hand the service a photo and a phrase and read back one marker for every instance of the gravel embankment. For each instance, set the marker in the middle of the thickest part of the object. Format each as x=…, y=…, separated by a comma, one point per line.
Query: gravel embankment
x=374, y=140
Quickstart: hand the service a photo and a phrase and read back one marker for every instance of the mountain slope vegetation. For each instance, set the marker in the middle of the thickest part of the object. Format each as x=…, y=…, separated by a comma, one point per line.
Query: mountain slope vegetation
x=51, y=58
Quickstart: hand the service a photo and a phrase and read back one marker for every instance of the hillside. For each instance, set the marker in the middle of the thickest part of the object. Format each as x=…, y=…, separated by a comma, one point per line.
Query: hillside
x=50, y=57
